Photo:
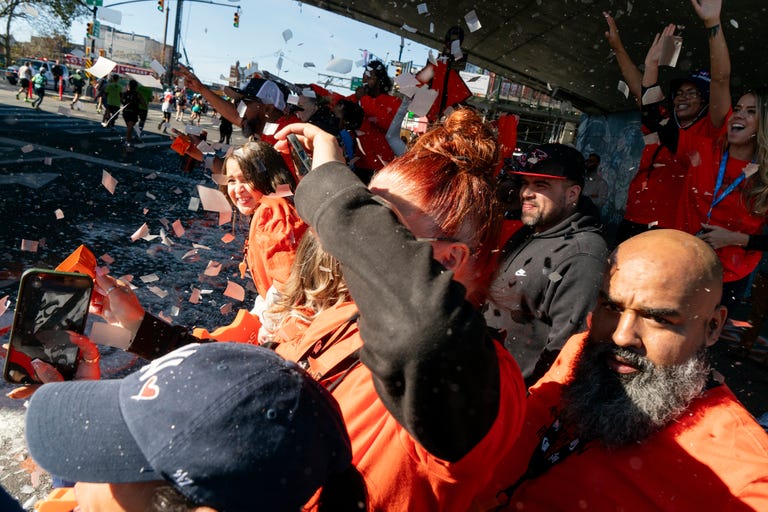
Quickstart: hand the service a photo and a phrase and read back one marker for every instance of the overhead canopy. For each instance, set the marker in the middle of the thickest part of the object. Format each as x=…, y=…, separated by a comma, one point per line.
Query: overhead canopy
x=560, y=45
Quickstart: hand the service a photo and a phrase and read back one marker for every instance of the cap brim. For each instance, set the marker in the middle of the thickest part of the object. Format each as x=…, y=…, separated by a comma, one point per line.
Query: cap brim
x=538, y=175
x=75, y=430
x=234, y=92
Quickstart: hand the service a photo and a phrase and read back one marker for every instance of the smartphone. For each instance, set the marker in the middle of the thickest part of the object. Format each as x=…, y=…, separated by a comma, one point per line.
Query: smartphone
x=49, y=303
x=301, y=160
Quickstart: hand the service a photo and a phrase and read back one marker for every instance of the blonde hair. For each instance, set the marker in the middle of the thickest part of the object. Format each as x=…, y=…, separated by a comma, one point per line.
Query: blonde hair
x=755, y=193
x=314, y=285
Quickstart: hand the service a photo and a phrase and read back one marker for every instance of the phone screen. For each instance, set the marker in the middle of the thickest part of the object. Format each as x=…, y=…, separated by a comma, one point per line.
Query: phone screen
x=48, y=304
x=301, y=160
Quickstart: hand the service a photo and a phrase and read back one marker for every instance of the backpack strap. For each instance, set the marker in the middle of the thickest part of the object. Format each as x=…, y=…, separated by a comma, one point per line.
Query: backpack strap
x=333, y=356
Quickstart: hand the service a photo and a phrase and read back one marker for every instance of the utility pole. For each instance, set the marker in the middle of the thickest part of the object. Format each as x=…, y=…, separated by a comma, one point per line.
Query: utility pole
x=176, y=36
x=165, y=36
x=93, y=37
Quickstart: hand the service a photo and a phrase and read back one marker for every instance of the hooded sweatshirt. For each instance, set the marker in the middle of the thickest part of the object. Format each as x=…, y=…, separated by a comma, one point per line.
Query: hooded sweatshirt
x=546, y=284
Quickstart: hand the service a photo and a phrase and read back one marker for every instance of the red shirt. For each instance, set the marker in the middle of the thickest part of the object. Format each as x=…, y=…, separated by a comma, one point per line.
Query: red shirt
x=659, y=183
x=731, y=212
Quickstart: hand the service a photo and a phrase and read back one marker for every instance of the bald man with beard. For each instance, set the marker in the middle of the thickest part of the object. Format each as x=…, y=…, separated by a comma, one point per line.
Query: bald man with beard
x=631, y=416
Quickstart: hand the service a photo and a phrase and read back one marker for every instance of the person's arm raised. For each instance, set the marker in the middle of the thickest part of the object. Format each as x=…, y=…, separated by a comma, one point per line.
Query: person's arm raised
x=222, y=106
x=632, y=76
x=719, y=60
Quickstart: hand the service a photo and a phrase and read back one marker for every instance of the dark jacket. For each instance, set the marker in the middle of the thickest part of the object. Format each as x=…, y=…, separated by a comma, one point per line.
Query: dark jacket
x=546, y=284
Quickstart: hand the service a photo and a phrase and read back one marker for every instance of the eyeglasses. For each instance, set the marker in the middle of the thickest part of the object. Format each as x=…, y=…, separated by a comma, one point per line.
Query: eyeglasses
x=691, y=94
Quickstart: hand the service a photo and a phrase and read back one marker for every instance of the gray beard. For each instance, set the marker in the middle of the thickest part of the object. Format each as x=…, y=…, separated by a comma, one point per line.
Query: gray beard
x=623, y=409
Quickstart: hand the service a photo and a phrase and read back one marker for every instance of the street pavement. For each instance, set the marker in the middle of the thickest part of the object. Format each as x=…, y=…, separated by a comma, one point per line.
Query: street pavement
x=53, y=162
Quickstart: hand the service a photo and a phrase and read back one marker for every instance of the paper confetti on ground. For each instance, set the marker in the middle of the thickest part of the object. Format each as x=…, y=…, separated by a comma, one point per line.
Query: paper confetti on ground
x=29, y=245
x=108, y=181
x=140, y=233
x=234, y=291
x=213, y=268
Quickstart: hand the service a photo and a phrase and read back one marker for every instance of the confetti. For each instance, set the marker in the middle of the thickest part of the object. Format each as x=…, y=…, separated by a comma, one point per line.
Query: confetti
x=59, y=214
x=27, y=148
x=201, y=246
x=149, y=278
x=241, y=108
x=164, y=222
x=653, y=224
x=140, y=233
x=194, y=204
x=227, y=238
x=151, y=176
x=106, y=258
x=213, y=268
x=623, y=88
x=269, y=128
x=191, y=256
x=213, y=200
x=158, y=291
x=422, y=9
x=554, y=277
x=194, y=298
x=48, y=160
x=653, y=95
x=109, y=182
x=750, y=169
x=651, y=138
x=4, y=303
x=234, y=291
x=282, y=190
x=734, y=23
x=473, y=23
x=225, y=217
x=178, y=229
x=226, y=308
x=164, y=318
x=409, y=28
x=151, y=195
x=29, y=245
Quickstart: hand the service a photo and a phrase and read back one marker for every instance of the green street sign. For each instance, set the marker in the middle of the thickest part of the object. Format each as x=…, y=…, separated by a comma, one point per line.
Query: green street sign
x=96, y=29
x=97, y=3
x=356, y=82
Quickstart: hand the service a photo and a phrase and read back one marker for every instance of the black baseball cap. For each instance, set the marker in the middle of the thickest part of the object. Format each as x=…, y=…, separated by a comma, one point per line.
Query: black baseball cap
x=555, y=161
x=230, y=425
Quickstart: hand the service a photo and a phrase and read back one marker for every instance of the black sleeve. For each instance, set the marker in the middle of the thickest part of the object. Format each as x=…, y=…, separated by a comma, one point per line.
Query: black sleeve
x=155, y=338
x=433, y=364
x=656, y=120
x=757, y=243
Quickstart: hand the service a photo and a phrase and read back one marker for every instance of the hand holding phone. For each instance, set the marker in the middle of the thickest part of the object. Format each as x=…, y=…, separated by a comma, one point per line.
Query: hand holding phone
x=301, y=160
x=49, y=304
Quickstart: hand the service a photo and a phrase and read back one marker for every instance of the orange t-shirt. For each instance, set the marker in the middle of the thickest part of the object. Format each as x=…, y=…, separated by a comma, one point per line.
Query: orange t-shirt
x=274, y=235
x=714, y=457
x=399, y=473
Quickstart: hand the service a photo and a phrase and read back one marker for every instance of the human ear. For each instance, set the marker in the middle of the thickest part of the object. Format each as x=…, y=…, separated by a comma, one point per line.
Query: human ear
x=572, y=194
x=455, y=256
x=715, y=325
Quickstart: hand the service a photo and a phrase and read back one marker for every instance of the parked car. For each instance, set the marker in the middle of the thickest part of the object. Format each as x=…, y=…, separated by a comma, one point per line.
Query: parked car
x=12, y=73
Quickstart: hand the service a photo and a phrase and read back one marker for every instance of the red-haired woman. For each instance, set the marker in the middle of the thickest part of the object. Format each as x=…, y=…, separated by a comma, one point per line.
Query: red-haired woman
x=431, y=402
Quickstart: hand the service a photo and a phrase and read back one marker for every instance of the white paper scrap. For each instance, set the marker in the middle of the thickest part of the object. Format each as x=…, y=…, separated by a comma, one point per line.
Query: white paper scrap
x=473, y=23
x=59, y=214
x=213, y=200
x=140, y=233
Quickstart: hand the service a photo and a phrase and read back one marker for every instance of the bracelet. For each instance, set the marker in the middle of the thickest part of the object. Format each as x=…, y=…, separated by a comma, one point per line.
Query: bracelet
x=91, y=361
x=713, y=30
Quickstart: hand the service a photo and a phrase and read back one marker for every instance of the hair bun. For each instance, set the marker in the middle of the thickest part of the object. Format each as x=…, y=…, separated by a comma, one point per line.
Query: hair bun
x=466, y=140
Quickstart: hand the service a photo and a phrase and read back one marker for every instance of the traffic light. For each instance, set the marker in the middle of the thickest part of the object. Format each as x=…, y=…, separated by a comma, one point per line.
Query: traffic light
x=160, y=5
x=89, y=29
x=398, y=70
x=236, y=22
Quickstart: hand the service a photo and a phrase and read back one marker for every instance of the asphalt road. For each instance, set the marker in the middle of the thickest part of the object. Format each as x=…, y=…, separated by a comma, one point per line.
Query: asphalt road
x=54, y=160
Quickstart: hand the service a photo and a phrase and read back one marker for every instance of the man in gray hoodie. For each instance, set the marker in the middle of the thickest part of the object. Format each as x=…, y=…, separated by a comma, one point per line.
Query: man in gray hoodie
x=550, y=270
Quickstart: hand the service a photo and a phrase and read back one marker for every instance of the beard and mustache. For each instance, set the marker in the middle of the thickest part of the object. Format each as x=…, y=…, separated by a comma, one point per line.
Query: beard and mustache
x=623, y=409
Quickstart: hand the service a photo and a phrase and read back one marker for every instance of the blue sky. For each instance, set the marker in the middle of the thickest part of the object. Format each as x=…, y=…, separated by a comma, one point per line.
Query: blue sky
x=213, y=44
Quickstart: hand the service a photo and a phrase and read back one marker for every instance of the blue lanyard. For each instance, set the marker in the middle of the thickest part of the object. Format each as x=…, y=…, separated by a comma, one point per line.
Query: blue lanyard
x=720, y=175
